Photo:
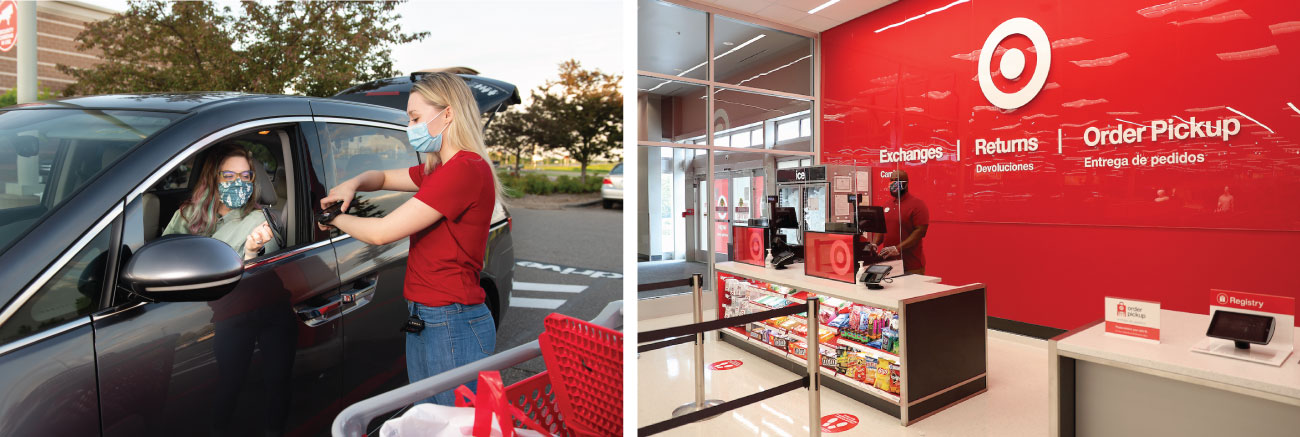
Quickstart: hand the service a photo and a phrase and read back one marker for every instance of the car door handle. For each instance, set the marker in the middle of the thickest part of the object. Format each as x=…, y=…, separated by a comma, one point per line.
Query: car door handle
x=362, y=292
x=320, y=314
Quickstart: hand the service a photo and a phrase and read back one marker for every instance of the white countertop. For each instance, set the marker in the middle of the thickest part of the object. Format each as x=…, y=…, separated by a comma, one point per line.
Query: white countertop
x=903, y=288
x=1178, y=332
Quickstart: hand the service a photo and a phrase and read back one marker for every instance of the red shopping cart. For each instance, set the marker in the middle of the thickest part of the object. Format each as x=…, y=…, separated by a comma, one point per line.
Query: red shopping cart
x=580, y=394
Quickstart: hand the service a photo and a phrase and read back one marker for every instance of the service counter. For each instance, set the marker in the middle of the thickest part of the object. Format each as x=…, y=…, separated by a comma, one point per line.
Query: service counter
x=1102, y=385
x=911, y=350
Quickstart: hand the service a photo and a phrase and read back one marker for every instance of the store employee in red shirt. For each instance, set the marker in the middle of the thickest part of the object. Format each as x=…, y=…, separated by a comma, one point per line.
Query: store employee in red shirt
x=911, y=214
x=447, y=221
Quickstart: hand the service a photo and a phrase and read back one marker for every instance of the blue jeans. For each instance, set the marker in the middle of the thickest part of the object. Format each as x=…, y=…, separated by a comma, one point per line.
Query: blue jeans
x=453, y=336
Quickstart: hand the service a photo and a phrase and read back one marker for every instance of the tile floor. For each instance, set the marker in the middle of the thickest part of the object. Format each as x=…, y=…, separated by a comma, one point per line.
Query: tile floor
x=1014, y=405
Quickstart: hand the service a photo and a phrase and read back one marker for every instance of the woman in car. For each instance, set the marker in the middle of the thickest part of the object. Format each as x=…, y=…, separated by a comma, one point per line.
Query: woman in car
x=447, y=221
x=222, y=205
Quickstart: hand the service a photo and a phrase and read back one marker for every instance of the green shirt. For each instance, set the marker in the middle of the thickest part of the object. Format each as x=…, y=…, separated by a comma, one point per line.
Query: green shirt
x=232, y=228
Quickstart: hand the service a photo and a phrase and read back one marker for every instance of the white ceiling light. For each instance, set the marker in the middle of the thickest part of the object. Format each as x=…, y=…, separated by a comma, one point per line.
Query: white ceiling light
x=940, y=9
x=728, y=52
x=823, y=6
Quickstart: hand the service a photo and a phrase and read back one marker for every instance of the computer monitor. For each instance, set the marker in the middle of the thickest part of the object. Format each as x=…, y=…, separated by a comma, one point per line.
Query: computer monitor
x=784, y=217
x=871, y=219
x=831, y=255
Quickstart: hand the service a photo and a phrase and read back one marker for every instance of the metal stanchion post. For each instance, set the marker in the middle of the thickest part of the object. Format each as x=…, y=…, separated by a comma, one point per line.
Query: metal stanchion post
x=814, y=375
x=697, y=282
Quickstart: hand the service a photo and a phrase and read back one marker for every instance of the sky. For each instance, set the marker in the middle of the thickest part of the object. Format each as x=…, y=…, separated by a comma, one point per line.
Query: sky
x=521, y=42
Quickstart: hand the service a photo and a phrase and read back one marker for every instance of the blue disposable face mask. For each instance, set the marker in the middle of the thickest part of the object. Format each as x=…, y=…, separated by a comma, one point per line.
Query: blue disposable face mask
x=235, y=193
x=897, y=188
x=419, y=137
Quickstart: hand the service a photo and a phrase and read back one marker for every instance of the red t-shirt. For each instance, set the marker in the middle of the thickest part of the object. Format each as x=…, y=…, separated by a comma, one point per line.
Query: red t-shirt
x=446, y=258
x=914, y=213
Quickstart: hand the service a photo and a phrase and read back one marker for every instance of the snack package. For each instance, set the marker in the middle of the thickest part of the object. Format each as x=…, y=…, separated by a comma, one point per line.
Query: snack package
x=839, y=321
x=895, y=376
x=868, y=374
x=799, y=349
x=826, y=337
x=844, y=364
x=882, y=374
x=825, y=314
x=780, y=341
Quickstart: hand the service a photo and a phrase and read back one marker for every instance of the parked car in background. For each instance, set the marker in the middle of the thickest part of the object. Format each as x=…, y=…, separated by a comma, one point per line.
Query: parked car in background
x=108, y=328
x=611, y=189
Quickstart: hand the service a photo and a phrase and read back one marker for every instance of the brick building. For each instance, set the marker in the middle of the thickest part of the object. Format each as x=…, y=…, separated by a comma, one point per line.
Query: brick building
x=57, y=26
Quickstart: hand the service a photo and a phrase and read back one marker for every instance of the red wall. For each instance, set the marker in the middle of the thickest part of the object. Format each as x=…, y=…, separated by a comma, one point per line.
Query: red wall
x=1052, y=241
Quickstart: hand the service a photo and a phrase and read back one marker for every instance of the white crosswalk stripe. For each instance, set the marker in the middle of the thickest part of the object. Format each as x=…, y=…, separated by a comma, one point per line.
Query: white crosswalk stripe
x=532, y=302
x=542, y=303
x=558, y=288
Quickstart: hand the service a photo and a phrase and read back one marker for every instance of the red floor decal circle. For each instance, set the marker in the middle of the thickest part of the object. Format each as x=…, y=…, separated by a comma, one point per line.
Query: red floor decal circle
x=726, y=365
x=839, y=422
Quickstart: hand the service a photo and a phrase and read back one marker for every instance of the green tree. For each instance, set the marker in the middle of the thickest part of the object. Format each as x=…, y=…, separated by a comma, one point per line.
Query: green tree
x=580, y=113
x=309, y=48
x=511, y=134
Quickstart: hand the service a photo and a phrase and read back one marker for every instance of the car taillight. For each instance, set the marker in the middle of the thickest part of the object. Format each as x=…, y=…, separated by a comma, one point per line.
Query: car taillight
x=510, y=224
x=608, y=182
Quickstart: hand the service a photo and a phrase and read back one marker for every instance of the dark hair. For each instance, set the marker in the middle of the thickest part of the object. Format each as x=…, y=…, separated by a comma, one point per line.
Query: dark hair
x=200, y=210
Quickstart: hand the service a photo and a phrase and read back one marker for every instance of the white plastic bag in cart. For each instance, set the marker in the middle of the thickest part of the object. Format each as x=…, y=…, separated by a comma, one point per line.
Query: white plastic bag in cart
x=430, y=420
x=487, y=414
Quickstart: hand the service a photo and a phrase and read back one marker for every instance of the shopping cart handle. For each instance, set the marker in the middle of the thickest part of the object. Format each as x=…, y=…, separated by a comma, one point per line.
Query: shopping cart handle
x=352, y=421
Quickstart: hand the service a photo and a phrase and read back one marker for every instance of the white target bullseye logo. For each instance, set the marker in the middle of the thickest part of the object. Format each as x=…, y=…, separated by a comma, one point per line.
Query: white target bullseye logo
x=1013, y=63
x=841, y=258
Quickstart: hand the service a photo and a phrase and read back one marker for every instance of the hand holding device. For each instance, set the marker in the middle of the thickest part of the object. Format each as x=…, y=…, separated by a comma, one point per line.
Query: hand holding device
x=889, y=252
x=329, y=213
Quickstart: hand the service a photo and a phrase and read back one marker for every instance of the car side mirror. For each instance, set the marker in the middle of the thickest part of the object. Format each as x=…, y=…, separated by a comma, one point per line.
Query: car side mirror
x=184, y=268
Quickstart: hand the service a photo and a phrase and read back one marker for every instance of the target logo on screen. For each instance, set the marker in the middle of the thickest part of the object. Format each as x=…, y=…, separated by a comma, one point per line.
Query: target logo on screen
x=1013, y=63
x=756, y=246
x=841, y=257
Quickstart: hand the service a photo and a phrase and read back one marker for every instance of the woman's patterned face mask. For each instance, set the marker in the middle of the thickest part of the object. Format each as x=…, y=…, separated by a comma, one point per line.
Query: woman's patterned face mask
x=235, y=193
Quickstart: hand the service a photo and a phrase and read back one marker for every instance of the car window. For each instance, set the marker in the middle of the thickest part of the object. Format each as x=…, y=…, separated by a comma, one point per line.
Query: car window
x=354, y=149
x=268, y=147
x=71, y=293
x=46, y=155
x=617, y=170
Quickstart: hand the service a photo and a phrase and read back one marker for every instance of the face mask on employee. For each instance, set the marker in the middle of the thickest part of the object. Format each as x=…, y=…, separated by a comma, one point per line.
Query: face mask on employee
x=419, y=137
x=235, y=193
x=897, y=188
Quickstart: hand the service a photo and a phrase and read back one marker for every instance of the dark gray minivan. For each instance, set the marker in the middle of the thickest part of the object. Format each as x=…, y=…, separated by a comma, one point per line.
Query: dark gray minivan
x=108, y=328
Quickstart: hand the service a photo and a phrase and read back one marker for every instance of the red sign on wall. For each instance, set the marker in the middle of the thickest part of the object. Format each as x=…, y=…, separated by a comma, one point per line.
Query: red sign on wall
x=8, y=24
x=838, y=422
x=1127, y=158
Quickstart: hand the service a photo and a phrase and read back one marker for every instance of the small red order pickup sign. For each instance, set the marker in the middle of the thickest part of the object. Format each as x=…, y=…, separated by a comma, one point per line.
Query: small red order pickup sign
x=1138, y=319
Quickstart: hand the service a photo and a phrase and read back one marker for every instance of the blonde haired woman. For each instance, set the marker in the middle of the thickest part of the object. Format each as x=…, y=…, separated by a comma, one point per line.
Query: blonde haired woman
x=447, y=221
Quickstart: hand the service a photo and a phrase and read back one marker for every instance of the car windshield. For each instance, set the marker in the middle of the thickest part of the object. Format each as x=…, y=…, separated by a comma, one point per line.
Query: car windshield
x=617, y=170
x=47, y=155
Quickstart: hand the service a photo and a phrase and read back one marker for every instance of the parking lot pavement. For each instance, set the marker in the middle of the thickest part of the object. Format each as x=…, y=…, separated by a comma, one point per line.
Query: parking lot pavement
x=567, y=261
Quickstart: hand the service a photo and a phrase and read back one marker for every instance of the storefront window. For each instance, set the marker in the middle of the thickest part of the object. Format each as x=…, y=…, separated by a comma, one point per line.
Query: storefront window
x=753, y=113
x=672, y=40
x=755, y=56
x=669, y=190
x=741, y=111
x=670, y=111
